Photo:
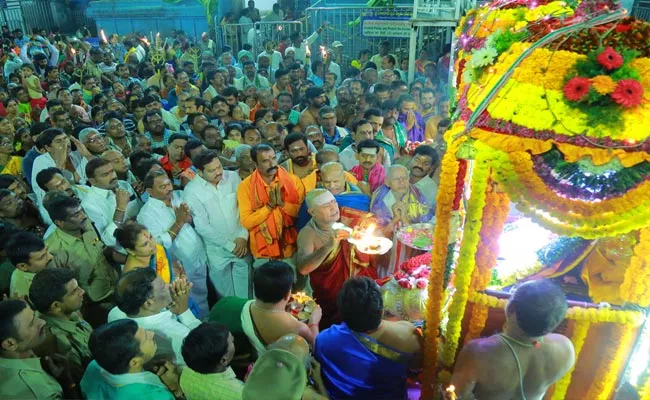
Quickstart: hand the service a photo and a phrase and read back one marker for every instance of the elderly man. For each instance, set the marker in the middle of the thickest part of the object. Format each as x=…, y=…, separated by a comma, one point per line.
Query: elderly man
x=353, y=203
x=541, y=357
x=272, y=135
x=397, y=203
x=93, y=140
x=118, y=138
x=269, y=200
x=211, y=197
x=169, y=221
x=245, y=164
x=325, y=256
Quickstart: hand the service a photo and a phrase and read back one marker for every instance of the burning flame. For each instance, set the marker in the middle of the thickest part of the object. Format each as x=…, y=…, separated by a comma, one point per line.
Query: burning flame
x=307, y=51
x=103, y=36
x=323, y=52
x=73, y=51
x=451, y=390
x=145, y=41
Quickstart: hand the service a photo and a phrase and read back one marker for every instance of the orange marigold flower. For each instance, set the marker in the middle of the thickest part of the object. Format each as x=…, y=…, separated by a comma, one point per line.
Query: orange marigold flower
x=603, y=84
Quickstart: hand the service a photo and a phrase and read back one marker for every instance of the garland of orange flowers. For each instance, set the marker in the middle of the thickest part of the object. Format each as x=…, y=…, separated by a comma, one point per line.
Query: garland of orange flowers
x=578, y=337
x=634, y=288
x=477, y=322
x=467, y=257
x=445, y=200
x=495, y=213
x=612, y=363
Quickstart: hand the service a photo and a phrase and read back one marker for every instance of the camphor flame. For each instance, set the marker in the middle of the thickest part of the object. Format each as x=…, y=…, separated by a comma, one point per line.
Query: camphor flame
x=103, y=36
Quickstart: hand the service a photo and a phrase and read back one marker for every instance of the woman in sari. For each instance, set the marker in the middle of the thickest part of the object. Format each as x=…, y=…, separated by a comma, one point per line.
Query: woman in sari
x=144, y=252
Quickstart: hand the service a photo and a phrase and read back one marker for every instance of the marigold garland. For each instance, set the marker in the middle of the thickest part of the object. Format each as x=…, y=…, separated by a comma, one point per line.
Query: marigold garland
x=580, y=332
x=589, y=220
x=593, y=315
x=445, y=200
x=612, y=363
x=634, y=288
x=497, y=207
x=477, y=322
x=467, y=258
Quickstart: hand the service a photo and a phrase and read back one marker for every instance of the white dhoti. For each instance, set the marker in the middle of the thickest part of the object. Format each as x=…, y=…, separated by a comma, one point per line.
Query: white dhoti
x=229, y=274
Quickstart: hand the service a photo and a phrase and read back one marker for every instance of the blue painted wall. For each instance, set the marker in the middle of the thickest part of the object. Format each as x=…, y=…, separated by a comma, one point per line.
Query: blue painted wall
x=127, y=16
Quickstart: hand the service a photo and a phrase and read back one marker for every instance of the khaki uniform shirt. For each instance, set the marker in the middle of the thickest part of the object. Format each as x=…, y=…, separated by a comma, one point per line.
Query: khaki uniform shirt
x=72, y=338
x=25, y=379
x=86, y=259
x=21, y=281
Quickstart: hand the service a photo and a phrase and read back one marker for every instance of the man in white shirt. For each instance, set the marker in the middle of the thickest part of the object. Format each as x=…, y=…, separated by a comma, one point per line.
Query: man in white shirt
x=362, y=130
x=251, y=77
x=109, y=202
x=212, y=198
x=271, y=53
x=58, y=154
x=300, y=44
x=145, y=298
x=168, y=220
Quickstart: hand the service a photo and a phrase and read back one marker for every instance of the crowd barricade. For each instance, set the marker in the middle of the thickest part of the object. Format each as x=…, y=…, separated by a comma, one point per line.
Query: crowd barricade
x=237, y=35
x=641, y=10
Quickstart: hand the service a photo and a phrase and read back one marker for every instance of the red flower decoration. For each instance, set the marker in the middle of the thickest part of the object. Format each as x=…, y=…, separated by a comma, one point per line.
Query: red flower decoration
x=628, y=93
x=610, y=59
x=577, y=88
x=623, y=28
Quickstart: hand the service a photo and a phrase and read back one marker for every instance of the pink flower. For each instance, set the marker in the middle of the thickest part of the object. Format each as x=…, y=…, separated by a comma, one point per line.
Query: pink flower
x=421, y=283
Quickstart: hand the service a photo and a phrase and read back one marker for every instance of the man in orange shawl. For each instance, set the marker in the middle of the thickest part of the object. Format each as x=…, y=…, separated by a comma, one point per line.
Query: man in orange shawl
x=325, y=255
x=269, y=200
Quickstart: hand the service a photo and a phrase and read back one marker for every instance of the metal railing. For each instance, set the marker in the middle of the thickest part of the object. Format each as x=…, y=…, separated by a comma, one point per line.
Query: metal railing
x=641, y=10
x=346, y=25
x=236, y=35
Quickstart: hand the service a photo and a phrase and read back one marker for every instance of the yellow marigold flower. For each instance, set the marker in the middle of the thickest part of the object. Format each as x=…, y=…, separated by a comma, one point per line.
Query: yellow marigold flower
x=603, y=84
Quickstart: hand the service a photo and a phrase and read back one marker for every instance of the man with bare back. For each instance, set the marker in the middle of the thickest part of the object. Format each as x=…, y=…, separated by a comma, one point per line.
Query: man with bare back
x=523, y=361
x=325, y=255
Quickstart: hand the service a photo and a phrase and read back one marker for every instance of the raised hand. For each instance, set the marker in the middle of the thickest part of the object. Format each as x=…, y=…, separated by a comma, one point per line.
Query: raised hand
x=180, y=292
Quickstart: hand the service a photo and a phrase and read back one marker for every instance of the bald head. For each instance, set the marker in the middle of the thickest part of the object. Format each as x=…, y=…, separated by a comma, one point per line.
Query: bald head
x=332, y=177
x=326, y=156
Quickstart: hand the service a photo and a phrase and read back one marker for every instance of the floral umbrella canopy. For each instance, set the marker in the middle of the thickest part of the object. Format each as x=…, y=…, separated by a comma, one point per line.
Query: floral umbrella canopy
x=553, y=107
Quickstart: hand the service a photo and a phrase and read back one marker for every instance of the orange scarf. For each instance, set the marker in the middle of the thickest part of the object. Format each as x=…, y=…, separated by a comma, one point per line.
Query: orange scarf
x=278, y=231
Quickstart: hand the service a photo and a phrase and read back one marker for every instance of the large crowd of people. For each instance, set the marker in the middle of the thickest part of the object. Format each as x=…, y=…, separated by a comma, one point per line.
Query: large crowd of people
x=160, y=203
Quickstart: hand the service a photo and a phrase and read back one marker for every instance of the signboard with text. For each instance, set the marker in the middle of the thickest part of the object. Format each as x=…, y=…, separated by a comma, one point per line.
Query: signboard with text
x=386, y=23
